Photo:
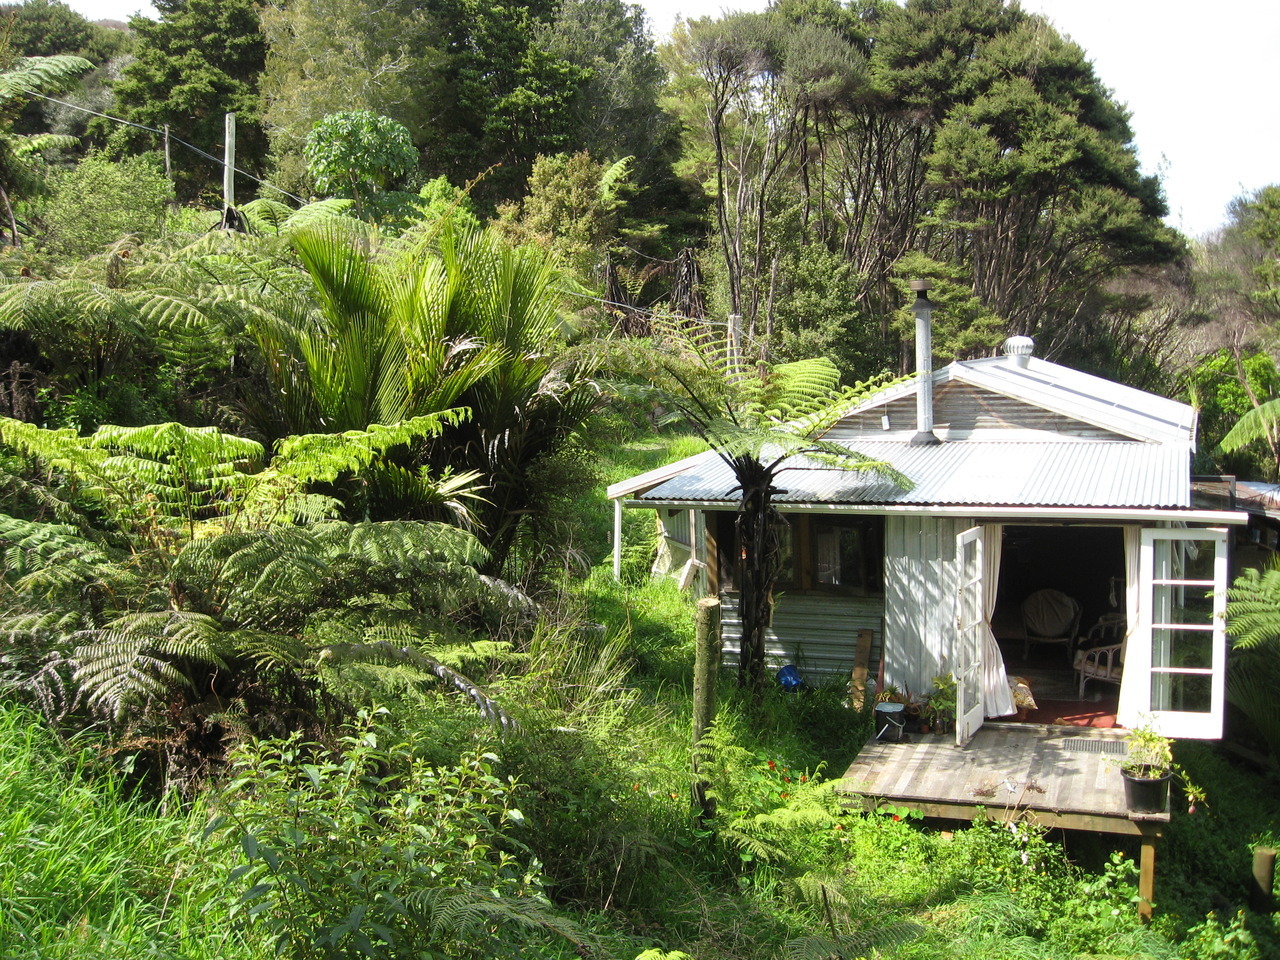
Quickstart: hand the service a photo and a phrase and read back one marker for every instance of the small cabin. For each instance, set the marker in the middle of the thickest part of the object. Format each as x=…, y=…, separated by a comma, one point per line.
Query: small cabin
x=1033, y=485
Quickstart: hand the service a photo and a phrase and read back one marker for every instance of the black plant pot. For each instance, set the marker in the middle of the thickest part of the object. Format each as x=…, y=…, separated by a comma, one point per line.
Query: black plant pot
x=1146, y=794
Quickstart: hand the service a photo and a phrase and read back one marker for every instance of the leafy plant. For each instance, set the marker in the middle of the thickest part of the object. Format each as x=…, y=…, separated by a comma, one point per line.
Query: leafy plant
x=364, y=850
x=358, y=152
x=1149, y=756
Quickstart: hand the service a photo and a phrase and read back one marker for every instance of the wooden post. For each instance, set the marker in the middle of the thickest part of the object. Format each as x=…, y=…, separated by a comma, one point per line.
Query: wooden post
x=229, y=163
x=168, y=172
x=1261, y=891
x=706, y=669
x=858, y=680
x=1147, y=876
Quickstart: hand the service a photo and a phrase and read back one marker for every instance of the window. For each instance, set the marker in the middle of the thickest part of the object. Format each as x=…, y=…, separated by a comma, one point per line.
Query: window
x=822, y=554
x=846, y=553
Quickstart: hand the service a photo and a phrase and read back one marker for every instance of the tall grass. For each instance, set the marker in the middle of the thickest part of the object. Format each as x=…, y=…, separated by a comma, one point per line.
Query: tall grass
x=85, y=871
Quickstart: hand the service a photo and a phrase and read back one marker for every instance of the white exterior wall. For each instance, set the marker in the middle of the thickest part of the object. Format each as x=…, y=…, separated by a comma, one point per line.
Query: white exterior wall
x=920, y=578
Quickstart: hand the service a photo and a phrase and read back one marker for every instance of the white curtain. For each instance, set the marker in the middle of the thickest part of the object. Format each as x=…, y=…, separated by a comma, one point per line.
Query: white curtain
x=1130, y=696
x=995, y=682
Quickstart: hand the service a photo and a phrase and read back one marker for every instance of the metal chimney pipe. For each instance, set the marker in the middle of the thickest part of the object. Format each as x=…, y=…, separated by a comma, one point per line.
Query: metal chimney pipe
x=923, y=308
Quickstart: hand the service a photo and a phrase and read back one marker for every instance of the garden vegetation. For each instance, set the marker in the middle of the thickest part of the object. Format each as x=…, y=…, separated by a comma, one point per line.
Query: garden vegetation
x=306, y=645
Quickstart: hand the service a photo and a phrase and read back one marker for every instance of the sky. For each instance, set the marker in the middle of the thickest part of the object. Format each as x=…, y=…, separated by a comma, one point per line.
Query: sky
x=1195, y=77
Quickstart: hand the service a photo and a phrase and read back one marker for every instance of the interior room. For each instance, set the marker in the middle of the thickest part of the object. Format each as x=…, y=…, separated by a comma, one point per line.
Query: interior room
x=1084, y=563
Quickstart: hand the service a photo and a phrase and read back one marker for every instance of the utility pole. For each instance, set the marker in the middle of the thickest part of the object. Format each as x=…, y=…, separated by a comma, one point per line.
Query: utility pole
x=229, y=164
x=168, y=172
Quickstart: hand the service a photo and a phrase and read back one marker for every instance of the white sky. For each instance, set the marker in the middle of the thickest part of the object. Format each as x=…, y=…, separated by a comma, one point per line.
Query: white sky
x=1197, y=79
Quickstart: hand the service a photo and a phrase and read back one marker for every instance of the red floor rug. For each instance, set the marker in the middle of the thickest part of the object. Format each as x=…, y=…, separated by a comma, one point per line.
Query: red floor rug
x=1074, y=713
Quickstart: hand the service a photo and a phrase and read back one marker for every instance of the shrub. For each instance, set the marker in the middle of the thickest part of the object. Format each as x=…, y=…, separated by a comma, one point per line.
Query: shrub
x=366, y=850
x=99, y=201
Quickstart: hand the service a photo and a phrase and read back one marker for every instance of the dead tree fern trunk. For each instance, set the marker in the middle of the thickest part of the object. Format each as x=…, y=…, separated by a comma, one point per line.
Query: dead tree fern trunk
x=760, y=542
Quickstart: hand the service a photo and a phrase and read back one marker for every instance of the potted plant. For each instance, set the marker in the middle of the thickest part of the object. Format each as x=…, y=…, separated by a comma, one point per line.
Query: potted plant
x=942, y=703
x=1148, y=768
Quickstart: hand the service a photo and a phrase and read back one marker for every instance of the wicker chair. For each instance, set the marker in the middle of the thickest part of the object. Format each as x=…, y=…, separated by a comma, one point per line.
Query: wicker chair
x=1102, y=652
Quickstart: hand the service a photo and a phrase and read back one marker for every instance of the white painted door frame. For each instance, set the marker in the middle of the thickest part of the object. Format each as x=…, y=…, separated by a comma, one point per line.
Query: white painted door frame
x=970, y=626
x=1178, y=664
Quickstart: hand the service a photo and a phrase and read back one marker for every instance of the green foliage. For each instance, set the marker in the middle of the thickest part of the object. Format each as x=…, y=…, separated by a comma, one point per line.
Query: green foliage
x=357, y=152
x=48, y=28
x=200, y=60
x=366, y=850
x=1227, y=390
x=85, y=869
x=571, y=208
x=21, y=161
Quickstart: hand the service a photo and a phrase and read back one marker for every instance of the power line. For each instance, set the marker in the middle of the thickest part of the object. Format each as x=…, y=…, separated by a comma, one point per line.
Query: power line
x=189, y=146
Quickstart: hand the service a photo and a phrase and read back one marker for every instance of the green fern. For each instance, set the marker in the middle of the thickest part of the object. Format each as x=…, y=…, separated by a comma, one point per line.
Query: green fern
x=142, y=656
x=1253, y=608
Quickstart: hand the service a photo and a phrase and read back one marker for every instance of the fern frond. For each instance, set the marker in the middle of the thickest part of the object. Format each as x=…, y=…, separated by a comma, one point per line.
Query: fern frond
x=1257, y=424
x=387, y=653
x=282, y=561
x=450, y=909
x=46, y=559
x=405, y=545
x=323, y=457
x=866, y=943
x=142, y=657
x=39, y=73
x=1253, y=608
x=269, y=649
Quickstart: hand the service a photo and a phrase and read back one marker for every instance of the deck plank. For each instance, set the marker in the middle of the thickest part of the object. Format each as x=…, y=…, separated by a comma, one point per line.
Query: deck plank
x=1064, y=772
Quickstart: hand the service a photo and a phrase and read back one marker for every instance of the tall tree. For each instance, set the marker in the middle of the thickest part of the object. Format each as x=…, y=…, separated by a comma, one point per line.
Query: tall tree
x=966, y=132
x=201, y=60
x=328, y=56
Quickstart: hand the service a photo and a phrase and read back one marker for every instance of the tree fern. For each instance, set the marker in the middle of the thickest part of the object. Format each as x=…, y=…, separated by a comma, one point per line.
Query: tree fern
x=1253, y=608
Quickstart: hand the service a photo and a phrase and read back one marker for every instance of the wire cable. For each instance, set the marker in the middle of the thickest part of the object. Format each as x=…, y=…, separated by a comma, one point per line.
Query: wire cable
x=189, y=146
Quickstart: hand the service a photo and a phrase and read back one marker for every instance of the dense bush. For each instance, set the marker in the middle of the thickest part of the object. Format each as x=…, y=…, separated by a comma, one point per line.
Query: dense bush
x=99, y=201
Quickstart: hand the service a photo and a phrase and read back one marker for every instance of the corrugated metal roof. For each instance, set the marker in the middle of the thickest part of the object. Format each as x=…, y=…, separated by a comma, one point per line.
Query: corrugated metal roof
x=1071, y=473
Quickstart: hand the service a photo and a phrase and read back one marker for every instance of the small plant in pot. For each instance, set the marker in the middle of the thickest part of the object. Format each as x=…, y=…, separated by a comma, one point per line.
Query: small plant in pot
x=1148, y=769
x=942, y=703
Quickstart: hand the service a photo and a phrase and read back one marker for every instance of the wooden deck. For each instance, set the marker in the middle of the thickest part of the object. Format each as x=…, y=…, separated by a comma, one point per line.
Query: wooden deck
x=1065, y=777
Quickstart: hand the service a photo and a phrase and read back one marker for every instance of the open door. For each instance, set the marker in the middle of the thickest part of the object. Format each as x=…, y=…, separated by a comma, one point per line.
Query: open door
x=1180, y=676
x=970, y=634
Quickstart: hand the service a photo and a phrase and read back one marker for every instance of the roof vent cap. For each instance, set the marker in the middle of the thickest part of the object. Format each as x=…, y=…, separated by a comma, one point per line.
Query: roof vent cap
x=1019, y=350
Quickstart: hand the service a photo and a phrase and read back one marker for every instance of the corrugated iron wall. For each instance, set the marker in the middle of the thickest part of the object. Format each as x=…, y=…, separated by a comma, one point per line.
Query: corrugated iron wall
x=816, y=633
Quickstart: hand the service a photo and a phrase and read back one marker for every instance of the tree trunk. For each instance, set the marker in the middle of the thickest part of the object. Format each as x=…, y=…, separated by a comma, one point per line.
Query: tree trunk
x=760, y=544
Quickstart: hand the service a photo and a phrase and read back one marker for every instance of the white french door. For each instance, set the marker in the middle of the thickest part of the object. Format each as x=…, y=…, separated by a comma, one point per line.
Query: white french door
x=1178, y=662
x=969, y=635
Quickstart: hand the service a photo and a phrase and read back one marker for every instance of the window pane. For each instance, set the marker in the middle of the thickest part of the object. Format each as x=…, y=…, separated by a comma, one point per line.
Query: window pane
x=845, y=553
x=1182, y=648
x=787, y=571
x=1174, y=603
x=1184, y=692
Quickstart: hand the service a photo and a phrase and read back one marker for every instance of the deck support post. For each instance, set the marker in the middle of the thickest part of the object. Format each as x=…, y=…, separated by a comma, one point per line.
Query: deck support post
x=1147, y=876
x=1262, y=893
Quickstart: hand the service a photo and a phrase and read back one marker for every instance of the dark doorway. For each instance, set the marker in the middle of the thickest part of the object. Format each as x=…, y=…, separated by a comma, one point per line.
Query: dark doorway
x=1084, y=562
